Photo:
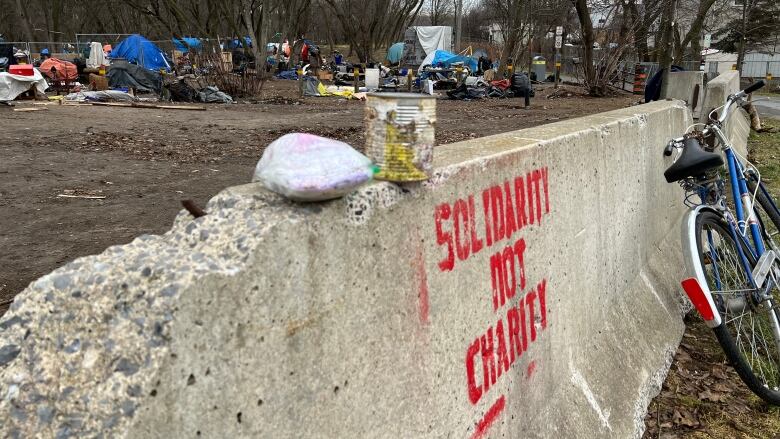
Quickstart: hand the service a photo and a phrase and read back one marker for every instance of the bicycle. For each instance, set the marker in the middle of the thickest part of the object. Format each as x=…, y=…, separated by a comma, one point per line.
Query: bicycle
x=730, y=249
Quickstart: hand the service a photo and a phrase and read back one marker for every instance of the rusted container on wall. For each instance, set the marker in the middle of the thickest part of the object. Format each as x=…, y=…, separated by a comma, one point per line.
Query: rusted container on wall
x=400, y=134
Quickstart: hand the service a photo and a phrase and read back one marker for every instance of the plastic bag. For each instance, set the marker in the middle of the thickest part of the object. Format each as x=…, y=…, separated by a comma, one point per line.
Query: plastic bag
x=306, y=167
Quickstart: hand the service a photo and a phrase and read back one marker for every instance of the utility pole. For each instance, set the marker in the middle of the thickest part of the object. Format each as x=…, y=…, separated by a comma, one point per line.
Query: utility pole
x=458, y=24
x=558, y=45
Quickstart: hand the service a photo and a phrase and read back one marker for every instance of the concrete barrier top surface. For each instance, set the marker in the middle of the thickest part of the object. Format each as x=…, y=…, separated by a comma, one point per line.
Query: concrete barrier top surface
x=530, y=288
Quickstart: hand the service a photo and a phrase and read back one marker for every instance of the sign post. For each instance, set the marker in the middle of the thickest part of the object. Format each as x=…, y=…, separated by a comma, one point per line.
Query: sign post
x=558, y=45
x=706, y=45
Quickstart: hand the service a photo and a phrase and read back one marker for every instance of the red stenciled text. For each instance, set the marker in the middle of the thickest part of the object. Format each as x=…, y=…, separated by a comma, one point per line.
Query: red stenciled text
x=504, y=343
x=506, y=208
x=493, y=219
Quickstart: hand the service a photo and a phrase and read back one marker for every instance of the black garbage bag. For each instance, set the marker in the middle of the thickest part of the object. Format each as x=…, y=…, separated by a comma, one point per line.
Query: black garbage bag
x=520, y=82
x=466, y=93
x=181, y=92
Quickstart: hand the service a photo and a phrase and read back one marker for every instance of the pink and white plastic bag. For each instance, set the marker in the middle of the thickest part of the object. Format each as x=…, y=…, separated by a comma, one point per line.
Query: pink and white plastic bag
x=306, y=167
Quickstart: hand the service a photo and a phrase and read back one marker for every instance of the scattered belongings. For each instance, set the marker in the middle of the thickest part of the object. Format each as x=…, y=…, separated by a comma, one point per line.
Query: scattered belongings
x=313, y=87
x=306, y=167
x=287, y=74
x=150, y=106
x=212, y=94
x=11, y=86
x=29, y=109
x=100, y=96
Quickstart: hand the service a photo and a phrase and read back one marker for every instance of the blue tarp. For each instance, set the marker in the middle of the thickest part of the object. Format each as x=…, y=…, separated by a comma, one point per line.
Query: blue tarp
x=448, y=58
x=288, y=74
x=138, y=50
x=193, y=43
x=395, y=52
x=237, y=44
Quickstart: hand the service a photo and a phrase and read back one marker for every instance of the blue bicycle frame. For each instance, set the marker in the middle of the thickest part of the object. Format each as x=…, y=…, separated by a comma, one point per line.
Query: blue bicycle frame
x=744, y=220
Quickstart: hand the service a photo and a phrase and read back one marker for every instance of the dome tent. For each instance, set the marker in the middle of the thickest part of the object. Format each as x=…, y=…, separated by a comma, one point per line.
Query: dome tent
x=138, y=50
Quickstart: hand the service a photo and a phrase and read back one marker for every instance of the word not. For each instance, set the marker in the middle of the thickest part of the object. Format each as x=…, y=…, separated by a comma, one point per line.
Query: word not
x=502, y=265
x=506, y=209
x=498, y=348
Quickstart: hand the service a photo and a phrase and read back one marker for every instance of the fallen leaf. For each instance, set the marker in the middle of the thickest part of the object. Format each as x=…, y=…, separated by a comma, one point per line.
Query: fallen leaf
x=684, y=417
x=707, y=395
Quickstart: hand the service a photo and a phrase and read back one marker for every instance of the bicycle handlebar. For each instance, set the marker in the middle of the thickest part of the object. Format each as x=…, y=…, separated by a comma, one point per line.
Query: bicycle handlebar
x=754, y=86
x=733, y=99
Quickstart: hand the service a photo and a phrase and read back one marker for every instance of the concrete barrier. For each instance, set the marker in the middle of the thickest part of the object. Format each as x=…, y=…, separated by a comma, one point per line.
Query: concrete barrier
x=688, y=87
x=529, y=289
x=738, y=125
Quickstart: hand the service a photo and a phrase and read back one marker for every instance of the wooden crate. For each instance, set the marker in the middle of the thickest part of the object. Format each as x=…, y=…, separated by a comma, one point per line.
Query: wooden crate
x=97, y=82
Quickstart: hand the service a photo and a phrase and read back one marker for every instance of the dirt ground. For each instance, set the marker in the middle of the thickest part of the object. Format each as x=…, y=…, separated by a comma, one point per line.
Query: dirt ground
x=145, y=161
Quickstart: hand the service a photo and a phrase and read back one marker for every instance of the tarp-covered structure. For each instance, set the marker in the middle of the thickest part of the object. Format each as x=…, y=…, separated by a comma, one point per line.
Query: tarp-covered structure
x=124, y=74
x=138, y=50
x=447, y=59
x=433, y=38
x=187, y=44
x=395, y=53
x=12, y=86
x=63, y=70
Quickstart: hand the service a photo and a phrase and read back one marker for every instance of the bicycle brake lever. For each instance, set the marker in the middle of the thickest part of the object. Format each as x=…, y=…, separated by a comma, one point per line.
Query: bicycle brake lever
x=668, y=149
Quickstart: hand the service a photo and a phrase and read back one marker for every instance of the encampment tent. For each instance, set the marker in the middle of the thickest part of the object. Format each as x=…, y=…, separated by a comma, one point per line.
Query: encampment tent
x=187, y=44
x=421, y=41
x=395, y=53
x=447, y=59
x=138, y=50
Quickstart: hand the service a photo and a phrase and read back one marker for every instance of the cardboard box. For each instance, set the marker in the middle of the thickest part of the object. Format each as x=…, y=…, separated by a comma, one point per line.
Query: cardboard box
x=325, y=76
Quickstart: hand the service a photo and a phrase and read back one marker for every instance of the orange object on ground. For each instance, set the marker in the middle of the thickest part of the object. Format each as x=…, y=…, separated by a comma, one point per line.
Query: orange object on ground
x=21, y=69
x=65, y=70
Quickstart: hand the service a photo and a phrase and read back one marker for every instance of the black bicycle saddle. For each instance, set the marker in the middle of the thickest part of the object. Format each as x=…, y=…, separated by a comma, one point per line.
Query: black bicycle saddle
x=693, y=161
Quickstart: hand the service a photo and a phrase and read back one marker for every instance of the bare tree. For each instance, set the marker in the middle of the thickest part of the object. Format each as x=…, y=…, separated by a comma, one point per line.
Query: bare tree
x=369, y=24
x=439, y=11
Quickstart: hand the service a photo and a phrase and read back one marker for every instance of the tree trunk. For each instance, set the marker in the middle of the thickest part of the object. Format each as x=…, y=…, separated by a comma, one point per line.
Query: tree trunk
x=665, y=60
x=586, y=27
x=741, y=52
x=25, y=19
x=249, y=24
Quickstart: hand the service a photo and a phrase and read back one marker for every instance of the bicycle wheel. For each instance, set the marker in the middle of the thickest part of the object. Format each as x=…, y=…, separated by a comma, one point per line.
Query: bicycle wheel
x=746, y=335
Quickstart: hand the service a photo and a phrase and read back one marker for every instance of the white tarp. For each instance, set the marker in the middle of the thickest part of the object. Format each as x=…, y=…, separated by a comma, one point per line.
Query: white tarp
x=433, y=38
x=97, y=57
x=12, y=86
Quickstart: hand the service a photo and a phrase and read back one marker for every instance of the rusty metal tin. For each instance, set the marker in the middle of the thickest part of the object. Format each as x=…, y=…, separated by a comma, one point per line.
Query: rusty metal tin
x=400, y=134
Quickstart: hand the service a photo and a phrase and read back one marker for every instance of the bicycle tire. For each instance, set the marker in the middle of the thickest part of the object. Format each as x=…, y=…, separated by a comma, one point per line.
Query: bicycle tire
x=720, y=261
